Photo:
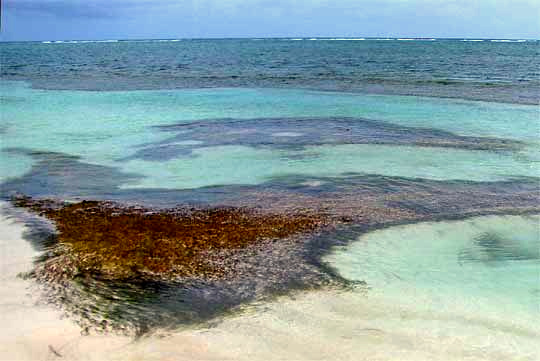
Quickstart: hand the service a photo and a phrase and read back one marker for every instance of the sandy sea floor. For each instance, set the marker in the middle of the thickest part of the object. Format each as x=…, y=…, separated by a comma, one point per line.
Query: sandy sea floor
x=315, y=325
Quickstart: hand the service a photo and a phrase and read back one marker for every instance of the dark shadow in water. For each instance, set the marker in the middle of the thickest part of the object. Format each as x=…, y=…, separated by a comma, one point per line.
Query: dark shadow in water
x=294, y=134
x=492, y=248
x=63, y=175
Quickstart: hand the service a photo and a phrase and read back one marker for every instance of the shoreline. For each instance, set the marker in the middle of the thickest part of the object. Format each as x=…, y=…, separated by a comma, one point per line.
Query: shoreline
x=350, y=325
x=31, y=326
x=256, y=271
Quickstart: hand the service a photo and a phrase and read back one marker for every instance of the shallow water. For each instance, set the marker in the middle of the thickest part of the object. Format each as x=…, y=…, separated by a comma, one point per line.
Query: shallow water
x=107, y=127
x=482, y=270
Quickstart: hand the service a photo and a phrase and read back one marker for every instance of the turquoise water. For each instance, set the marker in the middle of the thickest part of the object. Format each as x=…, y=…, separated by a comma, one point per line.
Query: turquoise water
x=243, y=165
x=480, y=270
x=106, y=127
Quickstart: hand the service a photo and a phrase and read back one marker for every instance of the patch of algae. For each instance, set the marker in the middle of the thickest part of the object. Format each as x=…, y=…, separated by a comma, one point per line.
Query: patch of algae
x=122, y=243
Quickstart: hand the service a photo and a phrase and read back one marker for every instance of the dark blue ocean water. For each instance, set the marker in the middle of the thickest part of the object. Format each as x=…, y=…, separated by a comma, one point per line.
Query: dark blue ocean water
x=506, y=71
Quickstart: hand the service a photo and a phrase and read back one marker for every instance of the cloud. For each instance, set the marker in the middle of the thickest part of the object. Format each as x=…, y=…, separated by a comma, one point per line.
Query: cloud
x=37, y=19
x=82, y=9
x=59, y=8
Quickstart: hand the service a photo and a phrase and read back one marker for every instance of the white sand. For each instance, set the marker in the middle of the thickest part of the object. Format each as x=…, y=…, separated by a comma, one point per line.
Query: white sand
x=28, y=328
x=312, y=326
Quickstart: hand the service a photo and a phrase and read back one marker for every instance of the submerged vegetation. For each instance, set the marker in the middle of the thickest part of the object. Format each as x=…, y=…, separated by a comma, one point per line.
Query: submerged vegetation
x=132, y=269
x=121, y=243
x=129, y=269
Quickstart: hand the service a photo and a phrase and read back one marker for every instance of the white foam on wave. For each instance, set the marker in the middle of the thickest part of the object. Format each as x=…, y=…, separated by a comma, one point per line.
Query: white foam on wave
x=78, y=41
x=287, y=134
x=417, y=39
x=188, y=142
x=472, y=40
x=346, y=39
x=338, y=39
x=241, y=131
x=507, y=41
x=313, y=183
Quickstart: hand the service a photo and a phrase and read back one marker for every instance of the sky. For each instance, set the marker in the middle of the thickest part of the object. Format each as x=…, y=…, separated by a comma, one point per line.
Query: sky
x=163, y=19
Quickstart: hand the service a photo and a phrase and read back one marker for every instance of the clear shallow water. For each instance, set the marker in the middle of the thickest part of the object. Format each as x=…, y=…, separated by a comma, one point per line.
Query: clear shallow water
x=480, y=270
x=107, y=128
x=244, y=165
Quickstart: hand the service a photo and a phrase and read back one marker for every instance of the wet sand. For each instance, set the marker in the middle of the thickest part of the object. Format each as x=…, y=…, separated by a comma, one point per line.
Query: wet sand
x=28, y=327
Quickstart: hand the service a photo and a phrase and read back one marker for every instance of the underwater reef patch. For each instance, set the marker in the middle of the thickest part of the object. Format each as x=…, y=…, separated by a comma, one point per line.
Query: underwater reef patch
x=298, y=133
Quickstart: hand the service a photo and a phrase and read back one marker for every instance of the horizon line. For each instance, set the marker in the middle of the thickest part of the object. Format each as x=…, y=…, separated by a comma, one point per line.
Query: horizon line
x=276, y=37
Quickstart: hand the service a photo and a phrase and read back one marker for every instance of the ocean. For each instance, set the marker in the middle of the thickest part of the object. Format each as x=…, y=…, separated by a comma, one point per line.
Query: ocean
x=445, y=132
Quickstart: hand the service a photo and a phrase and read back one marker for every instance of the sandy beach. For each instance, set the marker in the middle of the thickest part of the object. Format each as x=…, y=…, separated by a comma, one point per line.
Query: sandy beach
x=315, y=325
